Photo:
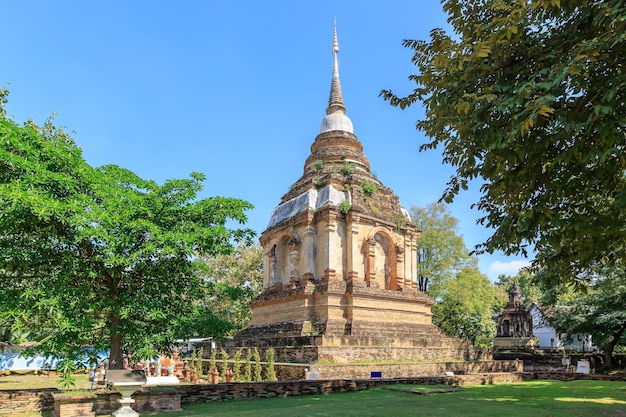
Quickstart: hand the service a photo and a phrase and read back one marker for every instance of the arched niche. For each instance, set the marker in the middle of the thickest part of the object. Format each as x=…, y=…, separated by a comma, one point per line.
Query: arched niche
x=381, y=262
x=286, y=257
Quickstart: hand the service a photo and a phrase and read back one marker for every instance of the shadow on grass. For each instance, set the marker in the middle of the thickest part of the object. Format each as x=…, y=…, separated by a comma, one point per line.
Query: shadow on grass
x=422, y=389
x=527, y=399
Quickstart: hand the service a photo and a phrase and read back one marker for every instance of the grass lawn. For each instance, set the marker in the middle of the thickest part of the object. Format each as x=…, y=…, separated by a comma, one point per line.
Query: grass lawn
x=32, y=381
x=541, y=398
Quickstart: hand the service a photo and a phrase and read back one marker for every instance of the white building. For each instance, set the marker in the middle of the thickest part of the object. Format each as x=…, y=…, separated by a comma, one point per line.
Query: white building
x=551, y=338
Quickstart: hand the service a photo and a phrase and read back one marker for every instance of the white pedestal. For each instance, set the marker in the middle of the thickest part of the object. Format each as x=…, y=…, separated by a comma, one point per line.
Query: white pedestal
x=125, y=410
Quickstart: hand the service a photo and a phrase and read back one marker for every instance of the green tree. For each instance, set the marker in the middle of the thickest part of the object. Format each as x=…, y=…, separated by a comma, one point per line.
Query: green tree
x=247, y=367
x=441, y=250
x=598, y=311
x=258, y=368
x=225, y=365
x=536, y=288
x=237, y=365
x=527, y=283
x=98, y=259
x=213, y=360
x=530, y=96
x=237, y=279
x=466, y=307
x=270, y=372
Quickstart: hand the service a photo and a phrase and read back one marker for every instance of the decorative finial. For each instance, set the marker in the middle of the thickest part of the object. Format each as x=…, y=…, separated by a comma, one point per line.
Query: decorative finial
x=335, y=43
x=335, y=102
x=336, y=118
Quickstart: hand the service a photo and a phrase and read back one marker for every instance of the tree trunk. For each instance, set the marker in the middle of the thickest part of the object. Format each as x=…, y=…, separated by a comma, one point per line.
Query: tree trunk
x=608, y=349
x=6, y=331
x=608, y=352
x=115, y=339
x=115, y=342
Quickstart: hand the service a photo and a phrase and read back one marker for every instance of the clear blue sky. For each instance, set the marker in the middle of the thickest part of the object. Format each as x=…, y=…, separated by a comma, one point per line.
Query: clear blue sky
x=236, y=90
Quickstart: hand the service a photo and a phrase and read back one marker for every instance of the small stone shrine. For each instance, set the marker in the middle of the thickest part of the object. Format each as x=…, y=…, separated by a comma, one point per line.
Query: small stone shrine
x=515, y=325
x=340, y=263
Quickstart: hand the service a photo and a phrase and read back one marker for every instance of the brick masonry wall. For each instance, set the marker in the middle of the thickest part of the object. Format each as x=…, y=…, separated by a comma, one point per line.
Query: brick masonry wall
x=249, y=390
x=25, y=401
x=202, y=393
x=66, y=405
x=168, y=400
x=101, y=403
x=570, y=376
x=37, y=400
x=546, y=361
x=287, y=371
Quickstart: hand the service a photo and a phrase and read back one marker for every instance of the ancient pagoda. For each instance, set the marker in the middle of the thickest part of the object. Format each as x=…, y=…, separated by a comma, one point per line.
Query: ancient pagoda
x=515, y=325
x=340, y=262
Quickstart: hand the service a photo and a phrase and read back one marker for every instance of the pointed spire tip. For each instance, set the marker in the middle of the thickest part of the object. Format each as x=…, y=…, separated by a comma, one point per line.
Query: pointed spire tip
x=336, y=118
x=335, y=42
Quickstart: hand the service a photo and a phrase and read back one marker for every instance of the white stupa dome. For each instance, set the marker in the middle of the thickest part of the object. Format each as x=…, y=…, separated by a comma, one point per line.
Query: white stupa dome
x=336, y=120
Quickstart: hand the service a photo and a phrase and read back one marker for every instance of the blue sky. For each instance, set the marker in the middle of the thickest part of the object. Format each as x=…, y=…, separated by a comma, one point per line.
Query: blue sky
x=235, y=90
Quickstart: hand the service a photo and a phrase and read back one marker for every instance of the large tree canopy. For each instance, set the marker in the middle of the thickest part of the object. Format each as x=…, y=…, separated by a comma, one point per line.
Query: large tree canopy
x=529, y=96
x=441, y=251
x=598, y=311
x=465, y=298
x=97, y=258
x=241, y=273
x=466, y=307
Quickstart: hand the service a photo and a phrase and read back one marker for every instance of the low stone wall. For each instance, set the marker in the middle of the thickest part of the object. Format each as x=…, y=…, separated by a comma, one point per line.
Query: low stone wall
x=169, y=399
x=193, y=394
x=551, y=361
x=67, y=405
x=26, y=401
x=292, y=351
x=89, y=404
x=402, y=354
x=288, y=371
x=104, y=403
x=13, y=402
x=570, y=376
